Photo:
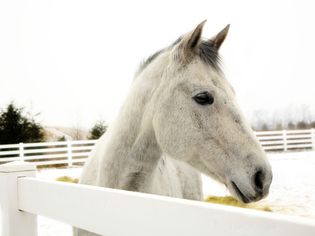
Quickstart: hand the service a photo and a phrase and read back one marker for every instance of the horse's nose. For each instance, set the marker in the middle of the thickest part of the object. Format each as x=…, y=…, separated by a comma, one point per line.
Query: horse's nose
x=258, y=182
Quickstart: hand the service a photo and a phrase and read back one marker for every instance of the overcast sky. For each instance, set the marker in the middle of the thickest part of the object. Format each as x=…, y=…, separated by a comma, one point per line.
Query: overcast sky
x=74, y=60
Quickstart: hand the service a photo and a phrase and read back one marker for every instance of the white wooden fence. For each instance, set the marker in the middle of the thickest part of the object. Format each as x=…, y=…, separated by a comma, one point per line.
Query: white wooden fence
x=287, y=140
x=75, y=152
x=45, y=154
x=120, y=213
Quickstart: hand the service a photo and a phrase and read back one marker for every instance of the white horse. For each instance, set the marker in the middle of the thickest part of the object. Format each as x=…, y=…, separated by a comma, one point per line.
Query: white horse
x=179, y=120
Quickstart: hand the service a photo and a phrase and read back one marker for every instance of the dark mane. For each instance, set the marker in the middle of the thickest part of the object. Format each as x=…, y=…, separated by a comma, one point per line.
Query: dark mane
x=147, y=61
x=151, y=58
x=207, y=53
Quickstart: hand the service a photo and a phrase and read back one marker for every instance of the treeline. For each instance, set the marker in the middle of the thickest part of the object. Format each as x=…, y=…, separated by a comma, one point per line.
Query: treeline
x=298, y=116
x=289, y=126
x=17, y=126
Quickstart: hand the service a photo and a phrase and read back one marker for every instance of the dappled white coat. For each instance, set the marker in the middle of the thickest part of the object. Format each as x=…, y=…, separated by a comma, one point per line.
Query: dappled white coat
x=164, y=136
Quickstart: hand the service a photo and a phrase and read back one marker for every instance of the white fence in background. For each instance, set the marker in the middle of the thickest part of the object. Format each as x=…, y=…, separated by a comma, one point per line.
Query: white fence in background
x=76, y=152
x=121, y=213
x=287, y=140
x=45, y=154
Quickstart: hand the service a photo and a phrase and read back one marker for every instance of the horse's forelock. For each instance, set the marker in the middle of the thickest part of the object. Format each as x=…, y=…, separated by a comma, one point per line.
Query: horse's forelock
x=206, y=51
x=209, y=54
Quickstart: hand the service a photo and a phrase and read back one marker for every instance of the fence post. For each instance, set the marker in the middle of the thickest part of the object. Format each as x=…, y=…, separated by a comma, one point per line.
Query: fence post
x=284, y=136
x=14, y=222
x=69, y=148
x=21, y=150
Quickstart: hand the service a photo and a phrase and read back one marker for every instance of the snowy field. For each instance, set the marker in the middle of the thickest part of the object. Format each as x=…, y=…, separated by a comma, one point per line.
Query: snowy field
x=292, y=191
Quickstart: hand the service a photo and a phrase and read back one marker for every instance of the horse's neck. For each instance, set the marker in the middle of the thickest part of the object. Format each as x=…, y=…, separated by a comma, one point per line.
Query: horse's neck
x=131, y=152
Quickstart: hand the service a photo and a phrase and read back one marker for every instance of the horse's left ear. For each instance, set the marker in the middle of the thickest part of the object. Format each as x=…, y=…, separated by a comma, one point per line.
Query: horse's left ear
x=217, y=40
x=191, y=40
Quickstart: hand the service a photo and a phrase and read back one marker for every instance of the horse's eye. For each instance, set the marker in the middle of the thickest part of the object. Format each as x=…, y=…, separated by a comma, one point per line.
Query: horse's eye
x=204, y=98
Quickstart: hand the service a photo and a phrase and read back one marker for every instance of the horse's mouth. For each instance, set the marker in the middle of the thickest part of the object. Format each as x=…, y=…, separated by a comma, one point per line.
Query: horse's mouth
x=240, y=194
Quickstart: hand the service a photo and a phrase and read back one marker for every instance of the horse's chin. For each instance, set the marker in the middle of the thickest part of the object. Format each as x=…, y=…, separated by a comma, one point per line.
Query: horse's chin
x=241, y=195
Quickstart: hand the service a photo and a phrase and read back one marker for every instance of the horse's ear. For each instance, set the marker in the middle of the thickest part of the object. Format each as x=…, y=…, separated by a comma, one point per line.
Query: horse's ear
x=217, y=40
x=191, y=40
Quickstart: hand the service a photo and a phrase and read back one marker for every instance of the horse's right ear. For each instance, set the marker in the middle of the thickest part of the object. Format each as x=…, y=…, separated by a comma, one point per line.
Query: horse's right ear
x=191, y=40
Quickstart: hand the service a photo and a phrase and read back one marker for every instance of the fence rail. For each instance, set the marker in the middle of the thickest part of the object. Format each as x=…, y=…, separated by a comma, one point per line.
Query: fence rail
x=117, y=213
x=48, y=153
x=76, y=152
x=287, y=140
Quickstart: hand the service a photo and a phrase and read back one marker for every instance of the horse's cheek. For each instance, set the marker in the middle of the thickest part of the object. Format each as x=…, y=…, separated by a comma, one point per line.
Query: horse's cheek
x=165, y=128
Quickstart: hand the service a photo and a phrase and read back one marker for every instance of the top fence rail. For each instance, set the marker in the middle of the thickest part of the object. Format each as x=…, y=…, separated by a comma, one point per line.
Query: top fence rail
x=69, y=153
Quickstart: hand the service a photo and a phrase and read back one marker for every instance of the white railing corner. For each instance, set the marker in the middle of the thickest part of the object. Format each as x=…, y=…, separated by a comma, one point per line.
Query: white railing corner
x=21, y=151
x=14, y=222
x=285, y=143
x=69, y=153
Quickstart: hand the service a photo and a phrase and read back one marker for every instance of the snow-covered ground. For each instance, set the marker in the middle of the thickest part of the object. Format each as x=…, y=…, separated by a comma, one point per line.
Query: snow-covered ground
x=292, y=191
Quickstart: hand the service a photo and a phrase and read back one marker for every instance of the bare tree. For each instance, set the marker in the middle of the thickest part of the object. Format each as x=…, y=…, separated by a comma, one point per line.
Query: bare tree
x=259, y=119
x=77, y=133
x=279, y=126
x=303, y=125
x=291, y=125
x=305, y=113
x=264, y=127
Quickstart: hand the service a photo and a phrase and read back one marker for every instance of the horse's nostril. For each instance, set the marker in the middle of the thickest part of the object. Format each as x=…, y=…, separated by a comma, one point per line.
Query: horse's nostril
x=259, y=180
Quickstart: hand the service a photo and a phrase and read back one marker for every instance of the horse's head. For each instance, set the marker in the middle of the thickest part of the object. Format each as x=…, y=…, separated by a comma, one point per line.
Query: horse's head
x=197, y=120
